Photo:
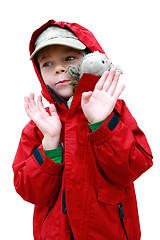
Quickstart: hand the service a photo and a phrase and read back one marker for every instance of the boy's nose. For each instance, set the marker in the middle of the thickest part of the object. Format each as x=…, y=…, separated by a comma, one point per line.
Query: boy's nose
x=60, y=69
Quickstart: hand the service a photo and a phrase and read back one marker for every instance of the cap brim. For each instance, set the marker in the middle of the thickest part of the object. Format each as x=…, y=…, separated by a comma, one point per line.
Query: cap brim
x=69, y=42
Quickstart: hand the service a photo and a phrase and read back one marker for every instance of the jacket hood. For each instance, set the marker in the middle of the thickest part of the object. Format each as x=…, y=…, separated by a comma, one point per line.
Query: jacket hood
x=83, y=34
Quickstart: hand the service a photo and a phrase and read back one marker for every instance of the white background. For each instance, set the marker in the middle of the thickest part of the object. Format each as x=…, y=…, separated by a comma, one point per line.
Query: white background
x=128, y=31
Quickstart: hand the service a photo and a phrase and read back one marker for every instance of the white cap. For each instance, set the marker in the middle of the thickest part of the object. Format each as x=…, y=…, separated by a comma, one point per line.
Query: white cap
x=56, y=35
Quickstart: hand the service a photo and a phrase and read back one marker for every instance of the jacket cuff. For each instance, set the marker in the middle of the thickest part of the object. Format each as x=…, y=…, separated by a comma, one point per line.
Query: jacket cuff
x=106, y=130
x=46, y=164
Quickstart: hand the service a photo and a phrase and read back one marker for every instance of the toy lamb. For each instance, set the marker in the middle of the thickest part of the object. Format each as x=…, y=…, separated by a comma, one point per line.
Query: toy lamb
x=94, y=63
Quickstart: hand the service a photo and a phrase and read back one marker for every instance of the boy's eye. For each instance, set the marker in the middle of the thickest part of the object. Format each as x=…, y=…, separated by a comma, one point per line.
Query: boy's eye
x=47, y=64
x=69, y=58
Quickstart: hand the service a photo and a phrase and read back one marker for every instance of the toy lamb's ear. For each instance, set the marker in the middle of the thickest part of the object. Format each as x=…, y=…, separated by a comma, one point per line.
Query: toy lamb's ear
x=74, y=71
x=118, y=69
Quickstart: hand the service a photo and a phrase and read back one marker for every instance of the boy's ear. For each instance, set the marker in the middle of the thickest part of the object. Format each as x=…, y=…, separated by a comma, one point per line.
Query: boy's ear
x=74, y=71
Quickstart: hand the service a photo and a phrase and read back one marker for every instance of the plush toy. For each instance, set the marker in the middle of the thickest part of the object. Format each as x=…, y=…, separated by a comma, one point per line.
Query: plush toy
x=94, y=63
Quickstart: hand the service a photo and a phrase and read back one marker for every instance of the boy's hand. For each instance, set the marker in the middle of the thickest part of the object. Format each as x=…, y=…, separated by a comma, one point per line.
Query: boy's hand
x=49, y=124
x=98, y=105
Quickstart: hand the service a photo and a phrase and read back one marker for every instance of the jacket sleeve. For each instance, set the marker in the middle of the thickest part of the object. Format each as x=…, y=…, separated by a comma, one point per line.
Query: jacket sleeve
x=121, y=149
x=37, y=178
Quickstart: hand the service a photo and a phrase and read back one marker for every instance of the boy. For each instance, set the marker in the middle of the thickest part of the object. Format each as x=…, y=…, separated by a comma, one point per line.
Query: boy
x=78, y=165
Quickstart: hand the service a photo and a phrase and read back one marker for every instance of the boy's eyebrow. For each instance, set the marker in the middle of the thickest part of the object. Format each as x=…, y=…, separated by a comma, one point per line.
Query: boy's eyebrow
x=42, y=58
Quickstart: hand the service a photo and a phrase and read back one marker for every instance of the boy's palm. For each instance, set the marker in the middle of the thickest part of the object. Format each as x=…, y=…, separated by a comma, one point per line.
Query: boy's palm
x=98, y=105
x=49, y=124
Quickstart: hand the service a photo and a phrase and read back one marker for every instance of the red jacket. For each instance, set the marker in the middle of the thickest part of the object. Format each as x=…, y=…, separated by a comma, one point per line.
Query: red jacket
x=91, y=194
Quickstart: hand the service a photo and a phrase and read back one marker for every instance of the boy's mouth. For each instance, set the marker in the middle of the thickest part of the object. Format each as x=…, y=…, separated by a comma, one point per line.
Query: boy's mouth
x=63, y=82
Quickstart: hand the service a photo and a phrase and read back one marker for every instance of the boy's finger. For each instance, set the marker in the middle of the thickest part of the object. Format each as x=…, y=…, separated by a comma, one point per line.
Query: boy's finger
x=52, y=109
x=101, y=81
x=32, y=103
x=39, y=100
x=118, y=92
x=26, y=100
x=109, y=80
x=27, y=106
x=31, y=96
x=40, y=104
x=114, y=83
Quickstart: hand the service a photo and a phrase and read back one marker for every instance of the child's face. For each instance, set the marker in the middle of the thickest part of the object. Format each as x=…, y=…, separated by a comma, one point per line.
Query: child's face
x=54, y=61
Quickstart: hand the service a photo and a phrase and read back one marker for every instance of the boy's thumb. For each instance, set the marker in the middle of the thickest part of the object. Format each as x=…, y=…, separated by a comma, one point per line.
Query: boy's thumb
x=85, y=97
x=52, y=109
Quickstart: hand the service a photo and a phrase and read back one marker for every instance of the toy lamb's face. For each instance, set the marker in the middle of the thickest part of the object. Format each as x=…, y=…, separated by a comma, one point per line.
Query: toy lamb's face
x=95, y=63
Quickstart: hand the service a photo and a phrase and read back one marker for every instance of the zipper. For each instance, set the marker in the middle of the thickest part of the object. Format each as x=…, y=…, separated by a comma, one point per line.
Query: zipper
x=72, y=238
x=121, y=215
x=64, y=209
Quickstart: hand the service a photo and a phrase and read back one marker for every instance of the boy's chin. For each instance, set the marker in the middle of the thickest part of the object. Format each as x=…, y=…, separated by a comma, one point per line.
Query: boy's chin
x=66, y=96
